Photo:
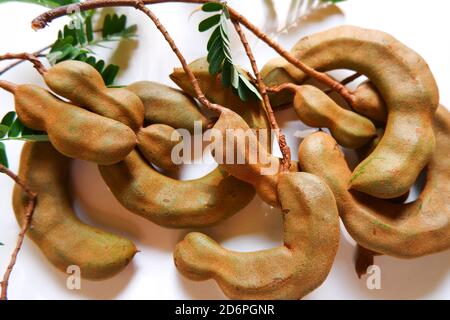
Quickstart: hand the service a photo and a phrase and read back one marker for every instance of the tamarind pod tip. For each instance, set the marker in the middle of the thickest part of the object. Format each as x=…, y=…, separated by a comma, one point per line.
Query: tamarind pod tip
x=75, y=132
x=405, y=231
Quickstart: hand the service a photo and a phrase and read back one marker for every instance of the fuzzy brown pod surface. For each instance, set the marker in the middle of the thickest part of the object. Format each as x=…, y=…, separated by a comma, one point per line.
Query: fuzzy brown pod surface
x=405, y=83
x=311, y=238
x=55, y=228
x=402, y=230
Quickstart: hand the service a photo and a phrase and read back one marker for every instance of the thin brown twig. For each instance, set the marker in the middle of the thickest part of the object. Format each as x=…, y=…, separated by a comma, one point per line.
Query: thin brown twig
x=346, y=81
x=15, y=64
x=26, y=57
x=285, y=150
x=39, y=53
x=42, y=20
x=320, y=76
x=25, y=225
x=198, y=91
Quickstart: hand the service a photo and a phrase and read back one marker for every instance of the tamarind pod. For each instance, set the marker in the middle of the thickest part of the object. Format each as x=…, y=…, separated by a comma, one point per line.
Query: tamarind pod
x=156, y=145
x=401, y=230
x=311, y=239
x=55, y=228
x=317, y=109
x=83, y=85
x=249, y=171
x=406, y=84
x=253, y=112
x=74, y=132
x=366, y=150
x=163, y=104
x=369, y=103
x=173, y=203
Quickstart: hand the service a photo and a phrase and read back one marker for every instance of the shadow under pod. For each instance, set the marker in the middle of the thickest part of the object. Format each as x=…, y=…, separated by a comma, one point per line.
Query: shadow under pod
x=101, y=290
x=400, y=278
x=100, y=208
x=256, y=227
x=123, y=54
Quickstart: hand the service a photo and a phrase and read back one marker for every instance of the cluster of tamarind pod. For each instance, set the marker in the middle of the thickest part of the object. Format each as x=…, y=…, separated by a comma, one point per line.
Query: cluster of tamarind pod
x=395, y=124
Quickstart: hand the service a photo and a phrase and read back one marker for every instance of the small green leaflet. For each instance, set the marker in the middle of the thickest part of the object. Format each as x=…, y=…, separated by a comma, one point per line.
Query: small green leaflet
x=76, y=43
x=11, y=128
x=219, y=53
x=3, y=156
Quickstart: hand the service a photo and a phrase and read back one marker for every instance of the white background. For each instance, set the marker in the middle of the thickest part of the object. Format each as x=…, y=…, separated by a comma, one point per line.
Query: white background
x=152, y=275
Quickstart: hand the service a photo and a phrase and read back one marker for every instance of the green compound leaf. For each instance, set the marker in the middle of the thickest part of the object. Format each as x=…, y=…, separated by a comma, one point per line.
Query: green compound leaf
x=77, y=43
x=219, y=53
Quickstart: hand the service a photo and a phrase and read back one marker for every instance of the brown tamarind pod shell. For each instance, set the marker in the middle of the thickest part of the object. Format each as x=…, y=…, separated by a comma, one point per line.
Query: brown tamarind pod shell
x=156, y=146
x=401, y=230
x=253, y=112
x=405, y=83
x=75, y=132
x=83, y=85
x=163, y=104
x=55, y=229
x=311, y=238
x=316, y=109
x=249, y=171
x=174, y=203
x=369, y=102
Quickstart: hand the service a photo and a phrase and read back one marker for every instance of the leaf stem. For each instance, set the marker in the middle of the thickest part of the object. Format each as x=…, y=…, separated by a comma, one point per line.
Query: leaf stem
x=320, y=76
x=140, y=5
x=285, y=150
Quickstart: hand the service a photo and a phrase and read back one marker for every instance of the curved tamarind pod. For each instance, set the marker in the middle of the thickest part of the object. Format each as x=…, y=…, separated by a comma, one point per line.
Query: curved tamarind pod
x=366, y=150
x=84, y=86
x=156, y=145
x=55, y=228
x=311, y=239
x=401, y=230
x=317, y=109
x=74, y=132
x=250, y=171
x=173, y=203
x=406, y=84
x=251, y=111
x=369, y=103
x=163, y=104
